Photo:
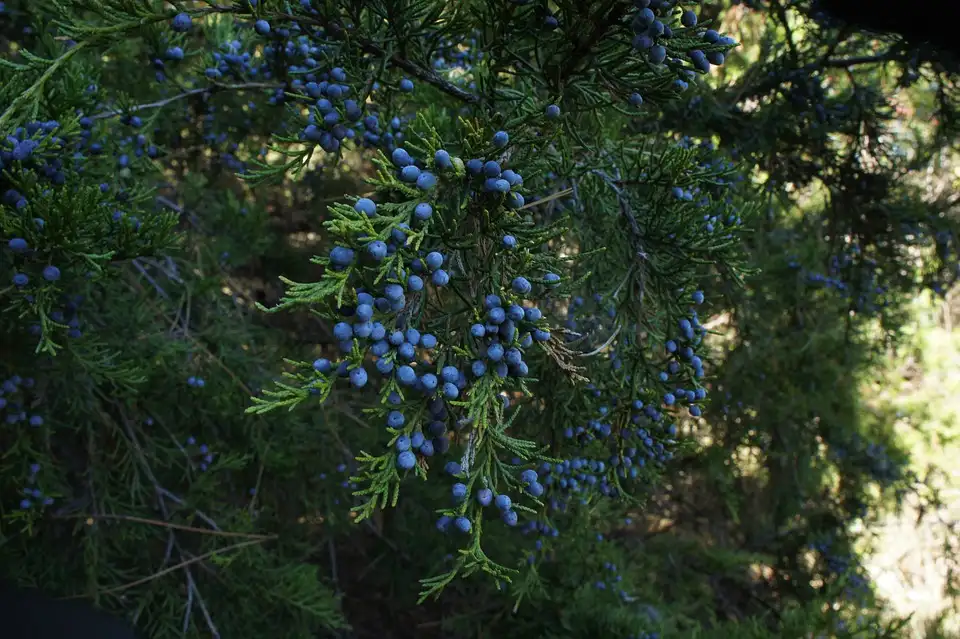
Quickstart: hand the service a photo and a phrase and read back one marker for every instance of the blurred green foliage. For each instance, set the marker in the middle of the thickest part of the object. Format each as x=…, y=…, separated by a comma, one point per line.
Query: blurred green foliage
x=756, y=529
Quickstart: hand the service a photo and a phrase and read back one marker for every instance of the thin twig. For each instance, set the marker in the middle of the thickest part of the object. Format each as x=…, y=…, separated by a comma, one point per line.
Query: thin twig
x=167, y=524
x=189, y=606
x=549, y=198
x=209, y=90
x=156, y=285
x=173, y=568
x=603, y=346
x=203, y=607
x=333, y=562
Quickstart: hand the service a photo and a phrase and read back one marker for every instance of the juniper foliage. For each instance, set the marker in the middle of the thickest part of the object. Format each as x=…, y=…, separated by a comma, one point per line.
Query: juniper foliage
x=491, y=357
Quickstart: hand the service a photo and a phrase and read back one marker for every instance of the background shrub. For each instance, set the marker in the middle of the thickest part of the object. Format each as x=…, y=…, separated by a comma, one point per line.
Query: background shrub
x=430, y=319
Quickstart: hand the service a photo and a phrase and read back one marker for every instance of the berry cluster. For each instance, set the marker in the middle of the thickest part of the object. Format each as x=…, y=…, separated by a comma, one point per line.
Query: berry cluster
x=201, y=453
x=853, y=277
x=837, y=563
x=16, y=398
x=34, y=497
x=652, y=37
x=874, y=457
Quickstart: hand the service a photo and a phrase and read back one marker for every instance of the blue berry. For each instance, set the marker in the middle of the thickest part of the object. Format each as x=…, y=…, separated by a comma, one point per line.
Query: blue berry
x=636, y=99
x=509, y=241
x=181, y=23
x=426, y=181
x=398, y=234
x=496, y=315
x=645, y=17
x=20, y=280
x=504, y=502
x=410, y=173
x=429, y=382
x=262, y=27
x=498, y=185
x=459, y=492
x=697, y=297
x=484, y=496
x=462, y=524
x=51, y=273
x=402, y=443
x=521, y=285
x=442, y=160
x=406, y=352
x=514, y=200
x=423, y=211
x=406, y=85
x=688, y=19
x=440, y=278
x=366, y=206
x=412, y=336
x=512, y=177
x=401, y=158
x=406, y=460
x=501, y=139
x=495, y=352
x=657, y=55
x=406, y=375
x=452, y=468
x=364, y=313
x=434, y=260
x=342, y=331
x=341, y=255
x=415, y=283
x=552, y=112
x=358, y=377
x=17, y=245
x=377, y=250
x=491, y=169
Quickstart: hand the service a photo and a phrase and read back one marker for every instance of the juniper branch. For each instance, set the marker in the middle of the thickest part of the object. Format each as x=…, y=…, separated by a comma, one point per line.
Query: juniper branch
x=37, y=86
x=210, y=90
